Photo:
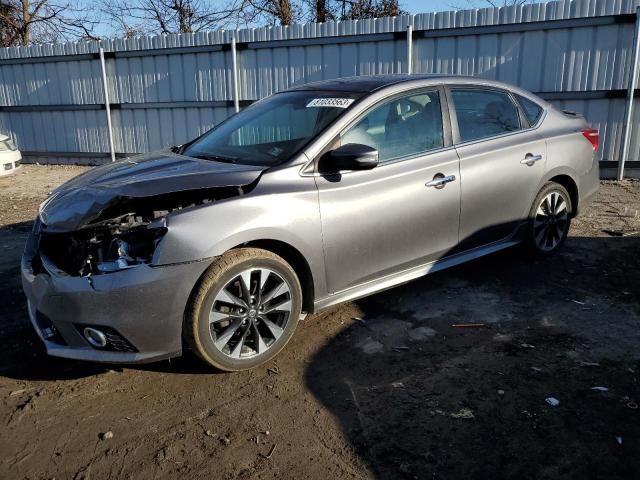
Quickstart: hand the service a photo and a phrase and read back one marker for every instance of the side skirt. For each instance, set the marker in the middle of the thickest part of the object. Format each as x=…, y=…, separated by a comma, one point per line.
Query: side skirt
x=395, y=279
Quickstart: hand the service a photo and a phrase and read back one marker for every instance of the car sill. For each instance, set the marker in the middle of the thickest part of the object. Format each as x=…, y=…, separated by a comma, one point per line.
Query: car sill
x=410, y=274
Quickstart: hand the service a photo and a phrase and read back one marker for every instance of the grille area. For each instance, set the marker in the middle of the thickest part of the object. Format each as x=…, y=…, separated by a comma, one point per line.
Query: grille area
x=115, y=341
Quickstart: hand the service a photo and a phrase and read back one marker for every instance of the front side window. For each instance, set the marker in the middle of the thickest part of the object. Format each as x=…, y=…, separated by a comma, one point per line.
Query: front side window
x=532, y=110
x=400, y=127
x=484, y=113
x=273, y=130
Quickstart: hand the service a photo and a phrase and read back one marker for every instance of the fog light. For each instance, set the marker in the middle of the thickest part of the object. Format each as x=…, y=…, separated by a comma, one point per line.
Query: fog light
x=49, y=332
x=95, y=337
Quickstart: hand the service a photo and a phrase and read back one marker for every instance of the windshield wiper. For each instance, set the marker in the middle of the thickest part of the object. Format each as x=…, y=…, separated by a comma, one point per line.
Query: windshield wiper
x=215, y=158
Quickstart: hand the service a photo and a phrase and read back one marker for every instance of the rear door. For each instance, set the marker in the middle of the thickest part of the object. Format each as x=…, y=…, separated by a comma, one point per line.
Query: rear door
x=384, y=220
x=502, y=162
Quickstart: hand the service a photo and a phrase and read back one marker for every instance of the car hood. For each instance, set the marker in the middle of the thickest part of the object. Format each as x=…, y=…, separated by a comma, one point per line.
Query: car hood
x=81, y=200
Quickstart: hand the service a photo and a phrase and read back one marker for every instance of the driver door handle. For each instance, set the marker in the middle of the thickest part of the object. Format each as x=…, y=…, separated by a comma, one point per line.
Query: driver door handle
x=439, y=180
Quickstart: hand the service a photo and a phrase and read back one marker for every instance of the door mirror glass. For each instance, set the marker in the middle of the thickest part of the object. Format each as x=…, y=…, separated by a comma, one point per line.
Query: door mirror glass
x=352, y=156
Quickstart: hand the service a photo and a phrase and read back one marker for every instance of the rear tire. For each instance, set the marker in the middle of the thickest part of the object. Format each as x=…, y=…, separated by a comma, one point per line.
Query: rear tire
x=244, y=309
x=549, y=220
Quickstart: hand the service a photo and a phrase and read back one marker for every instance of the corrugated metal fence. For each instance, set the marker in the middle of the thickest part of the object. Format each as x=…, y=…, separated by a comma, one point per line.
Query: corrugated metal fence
x=167, y=89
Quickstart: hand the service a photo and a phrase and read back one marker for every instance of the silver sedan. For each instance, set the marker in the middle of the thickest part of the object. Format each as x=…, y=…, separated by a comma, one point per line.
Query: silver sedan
x=311, y=197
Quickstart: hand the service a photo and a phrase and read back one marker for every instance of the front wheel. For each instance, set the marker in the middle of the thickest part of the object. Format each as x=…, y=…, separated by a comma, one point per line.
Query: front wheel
x=549, y=219
x=244, y=310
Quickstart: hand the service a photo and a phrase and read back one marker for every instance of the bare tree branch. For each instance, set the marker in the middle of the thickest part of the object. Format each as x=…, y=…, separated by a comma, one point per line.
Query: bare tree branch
x=286, y=12
x=32, y=21
x=490, y=3
x=139, y=17
x=35, y=21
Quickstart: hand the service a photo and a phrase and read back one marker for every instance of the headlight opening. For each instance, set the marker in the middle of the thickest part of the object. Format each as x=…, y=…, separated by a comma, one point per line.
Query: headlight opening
x=118, y=244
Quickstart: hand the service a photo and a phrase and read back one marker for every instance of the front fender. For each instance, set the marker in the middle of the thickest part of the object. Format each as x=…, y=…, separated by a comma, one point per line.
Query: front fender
x=291, y=217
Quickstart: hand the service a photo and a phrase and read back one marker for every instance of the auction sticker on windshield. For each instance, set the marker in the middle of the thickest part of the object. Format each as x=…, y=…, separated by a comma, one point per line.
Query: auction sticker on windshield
x=330, y=102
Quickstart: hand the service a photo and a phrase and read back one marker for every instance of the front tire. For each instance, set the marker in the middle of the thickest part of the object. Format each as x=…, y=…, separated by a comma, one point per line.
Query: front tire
x=244, y=309
x=549, y=219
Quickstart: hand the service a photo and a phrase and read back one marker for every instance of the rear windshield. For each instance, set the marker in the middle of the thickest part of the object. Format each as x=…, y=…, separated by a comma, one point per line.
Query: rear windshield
x=273, y=130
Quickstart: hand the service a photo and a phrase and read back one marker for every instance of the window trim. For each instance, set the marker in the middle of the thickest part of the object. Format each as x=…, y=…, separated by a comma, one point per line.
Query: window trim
x=446, y=124
x=457, y=140
x=516, y=97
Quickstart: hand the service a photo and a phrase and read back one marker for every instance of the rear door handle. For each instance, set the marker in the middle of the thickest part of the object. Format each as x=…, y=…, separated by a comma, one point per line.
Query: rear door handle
x=530, y=159
x=439, y=180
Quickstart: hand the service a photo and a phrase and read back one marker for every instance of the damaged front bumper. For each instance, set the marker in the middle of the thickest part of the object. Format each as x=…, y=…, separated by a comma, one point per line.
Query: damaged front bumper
x=95, y=286
x=140, y=310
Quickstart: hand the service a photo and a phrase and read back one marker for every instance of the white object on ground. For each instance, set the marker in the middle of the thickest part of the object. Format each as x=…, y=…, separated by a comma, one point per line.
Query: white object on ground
x=10, y=157
x=554, y=402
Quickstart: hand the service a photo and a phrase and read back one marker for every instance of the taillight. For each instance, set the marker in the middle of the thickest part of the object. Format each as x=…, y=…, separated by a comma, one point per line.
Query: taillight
x=592, y=135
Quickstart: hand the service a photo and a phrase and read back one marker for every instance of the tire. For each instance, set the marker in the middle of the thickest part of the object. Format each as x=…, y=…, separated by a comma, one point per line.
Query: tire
x=233, y=326
x=547, y=231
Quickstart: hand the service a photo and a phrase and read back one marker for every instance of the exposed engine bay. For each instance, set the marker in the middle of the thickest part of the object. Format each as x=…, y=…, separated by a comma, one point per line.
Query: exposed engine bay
x=124, y=235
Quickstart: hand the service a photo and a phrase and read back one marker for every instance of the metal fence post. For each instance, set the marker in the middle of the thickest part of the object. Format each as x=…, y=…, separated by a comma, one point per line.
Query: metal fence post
x=234, y=61
x=633, y=84
x=107, y=106
x=410, y=49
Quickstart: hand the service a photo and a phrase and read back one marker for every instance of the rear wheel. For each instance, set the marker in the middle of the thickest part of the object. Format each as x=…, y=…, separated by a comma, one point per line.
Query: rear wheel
x=549, y=219
x=244, y=310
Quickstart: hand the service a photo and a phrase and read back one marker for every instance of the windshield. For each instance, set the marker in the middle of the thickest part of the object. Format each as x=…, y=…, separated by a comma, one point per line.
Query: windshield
x=273, y=130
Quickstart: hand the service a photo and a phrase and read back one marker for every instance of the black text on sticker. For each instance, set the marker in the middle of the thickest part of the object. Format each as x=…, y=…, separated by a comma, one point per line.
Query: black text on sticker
x=330, y=102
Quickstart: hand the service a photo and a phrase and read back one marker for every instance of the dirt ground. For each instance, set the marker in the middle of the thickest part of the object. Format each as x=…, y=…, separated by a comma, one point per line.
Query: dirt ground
x=385, y=387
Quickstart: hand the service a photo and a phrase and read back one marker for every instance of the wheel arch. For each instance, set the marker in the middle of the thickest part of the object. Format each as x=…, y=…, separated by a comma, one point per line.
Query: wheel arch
x=572, y=187
x=566, y=177
x=297, y=261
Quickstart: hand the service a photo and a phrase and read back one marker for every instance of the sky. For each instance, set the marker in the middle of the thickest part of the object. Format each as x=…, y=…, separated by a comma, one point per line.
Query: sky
x=411, y=6
x=426, y=6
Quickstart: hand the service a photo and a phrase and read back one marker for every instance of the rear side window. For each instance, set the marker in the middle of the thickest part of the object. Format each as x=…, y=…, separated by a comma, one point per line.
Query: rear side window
x=484, y=113
x=532, y=110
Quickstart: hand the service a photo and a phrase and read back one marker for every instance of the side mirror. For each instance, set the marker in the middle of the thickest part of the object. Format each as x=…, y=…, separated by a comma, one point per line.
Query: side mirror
x=352, y=156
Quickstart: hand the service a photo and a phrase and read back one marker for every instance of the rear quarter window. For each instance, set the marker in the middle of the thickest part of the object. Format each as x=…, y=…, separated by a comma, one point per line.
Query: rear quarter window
x=532, y=110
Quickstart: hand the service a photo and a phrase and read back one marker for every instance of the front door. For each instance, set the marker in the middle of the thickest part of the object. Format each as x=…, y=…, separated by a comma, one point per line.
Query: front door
x=381, y=221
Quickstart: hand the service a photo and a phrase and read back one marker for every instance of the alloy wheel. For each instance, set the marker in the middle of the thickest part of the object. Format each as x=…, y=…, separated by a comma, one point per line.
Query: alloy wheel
x=250, y=313
x=551, y=221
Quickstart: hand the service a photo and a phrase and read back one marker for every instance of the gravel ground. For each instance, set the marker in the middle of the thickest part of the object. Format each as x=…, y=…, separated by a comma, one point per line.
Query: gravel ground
x=385, y=387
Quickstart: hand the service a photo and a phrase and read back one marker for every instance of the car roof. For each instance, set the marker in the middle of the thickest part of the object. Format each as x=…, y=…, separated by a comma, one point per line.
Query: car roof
x=372, y=83
x=366, y=83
